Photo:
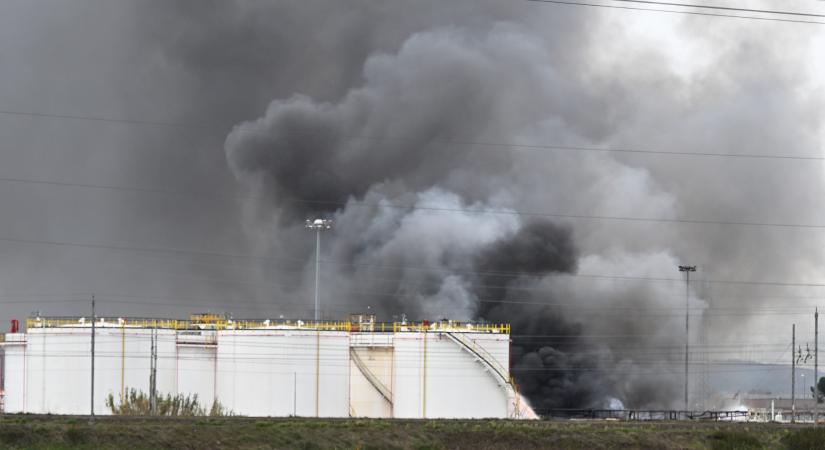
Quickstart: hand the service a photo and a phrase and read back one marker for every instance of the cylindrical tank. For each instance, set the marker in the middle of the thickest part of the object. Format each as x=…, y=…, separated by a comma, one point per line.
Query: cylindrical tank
x=407, y=371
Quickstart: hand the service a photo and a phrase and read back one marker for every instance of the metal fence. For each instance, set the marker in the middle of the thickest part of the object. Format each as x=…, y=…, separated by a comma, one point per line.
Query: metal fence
x=643, y=415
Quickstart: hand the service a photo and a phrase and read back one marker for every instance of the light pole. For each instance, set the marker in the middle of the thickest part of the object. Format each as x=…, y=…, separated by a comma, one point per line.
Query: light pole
x=318, y=225
x=687, y=270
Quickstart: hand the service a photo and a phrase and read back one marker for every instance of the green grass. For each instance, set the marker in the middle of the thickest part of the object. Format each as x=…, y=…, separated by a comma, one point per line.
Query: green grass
x=809, y=439
x=735, y=440
x=135, y=433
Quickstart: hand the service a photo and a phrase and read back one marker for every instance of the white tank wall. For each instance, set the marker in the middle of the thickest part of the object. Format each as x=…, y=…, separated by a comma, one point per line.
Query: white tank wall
x=273, y=372
x=123, y=362
x=57, y=371
x=408, y=385
x=197, y=366
x=455, y=384
x=59, y=366
x=263, y=372
x=15, y=369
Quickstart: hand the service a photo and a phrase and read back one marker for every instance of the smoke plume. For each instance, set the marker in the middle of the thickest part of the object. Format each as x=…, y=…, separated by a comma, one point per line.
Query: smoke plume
x=414, y=234
x=428, y=131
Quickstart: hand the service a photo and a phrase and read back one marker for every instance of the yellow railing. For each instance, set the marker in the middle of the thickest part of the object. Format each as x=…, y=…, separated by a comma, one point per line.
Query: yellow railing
x=207, y=318
x=70, y=322
x=172, y=324
x=309, y=325
x=220, y=323
x=452, y=326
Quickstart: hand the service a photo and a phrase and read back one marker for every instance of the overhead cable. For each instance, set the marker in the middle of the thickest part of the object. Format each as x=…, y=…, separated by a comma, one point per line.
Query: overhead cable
x=458, y=142
x=415, y=207
x=694, y=13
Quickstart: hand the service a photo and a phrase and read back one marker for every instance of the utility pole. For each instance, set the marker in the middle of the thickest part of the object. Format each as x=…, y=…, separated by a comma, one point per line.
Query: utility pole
x=816, y=367
x=151, y=368
x=793, y=374
x=153, y=374
x=318, y=225
x=155, y=369
x=92, y=392
x=703, y=342
x=687, y=270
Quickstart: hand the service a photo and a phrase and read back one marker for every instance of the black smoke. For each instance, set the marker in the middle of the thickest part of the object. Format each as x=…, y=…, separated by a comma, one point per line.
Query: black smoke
x=554, y=363
x=547, y=362
x=544, y=343
x=414, y=235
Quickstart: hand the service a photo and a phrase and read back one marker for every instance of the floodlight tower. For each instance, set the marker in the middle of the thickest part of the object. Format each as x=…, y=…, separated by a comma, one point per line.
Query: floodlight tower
x=687, y=270
x=318, y=225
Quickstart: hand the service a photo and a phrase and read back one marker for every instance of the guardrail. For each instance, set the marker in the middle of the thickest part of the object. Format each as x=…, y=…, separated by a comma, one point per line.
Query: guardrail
x=172, y=324
x=214, y=323
x=452, y=327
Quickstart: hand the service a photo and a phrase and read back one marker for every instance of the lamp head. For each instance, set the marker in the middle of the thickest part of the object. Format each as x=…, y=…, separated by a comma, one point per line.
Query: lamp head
x=318, y=224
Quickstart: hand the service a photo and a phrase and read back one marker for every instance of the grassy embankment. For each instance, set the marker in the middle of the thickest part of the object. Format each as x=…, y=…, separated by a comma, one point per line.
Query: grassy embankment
x=43, y=432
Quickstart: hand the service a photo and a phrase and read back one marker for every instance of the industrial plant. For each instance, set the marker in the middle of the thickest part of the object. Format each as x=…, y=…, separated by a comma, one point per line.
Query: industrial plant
x=276, y=368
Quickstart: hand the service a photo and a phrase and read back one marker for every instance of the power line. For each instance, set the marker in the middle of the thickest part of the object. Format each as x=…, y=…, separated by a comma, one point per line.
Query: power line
x=471, y=143
x=299, y=304
x=600, y=312
x=280, y=305
x=637, y=351
x=155, y=123
x=642, y=368
x=441, y=358
x=74, y=335
x=295, y=304
x=725, y=8
x=610, y=218
x=694, y=13
x=279, y=347
x=178, y=251
x=425, y=284
x=492, y=211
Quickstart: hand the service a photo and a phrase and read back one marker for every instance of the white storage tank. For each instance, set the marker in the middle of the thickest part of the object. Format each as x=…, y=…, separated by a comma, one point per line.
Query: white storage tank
x=356, y=368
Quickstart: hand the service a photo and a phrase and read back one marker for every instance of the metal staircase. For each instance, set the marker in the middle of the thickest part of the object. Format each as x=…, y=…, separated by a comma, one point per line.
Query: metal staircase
x=493, y=367
x=376, y=383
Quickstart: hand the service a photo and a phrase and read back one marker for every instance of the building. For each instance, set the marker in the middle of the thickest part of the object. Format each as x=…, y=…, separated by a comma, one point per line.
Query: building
x=355, y=368
x=779, y=409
